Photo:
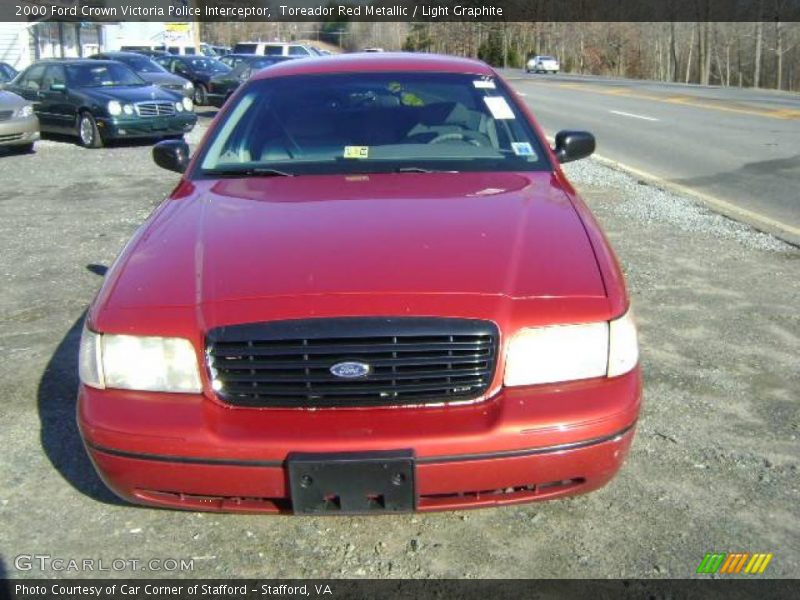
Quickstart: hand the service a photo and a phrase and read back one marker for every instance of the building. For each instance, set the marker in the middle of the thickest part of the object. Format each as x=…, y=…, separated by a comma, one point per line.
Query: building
x=23, y=43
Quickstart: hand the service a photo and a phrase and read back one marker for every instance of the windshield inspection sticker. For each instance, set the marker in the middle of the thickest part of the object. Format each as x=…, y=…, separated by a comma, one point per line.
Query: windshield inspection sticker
x=483, y=84
x=522, y=148
x=499, y=107
x=356, y=151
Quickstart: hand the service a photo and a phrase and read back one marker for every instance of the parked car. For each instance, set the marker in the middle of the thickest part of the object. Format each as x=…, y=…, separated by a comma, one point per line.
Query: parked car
x=145, y=51
x=181, y=48
x=275, y=49
x=233, y=59
x=220, y=51
x=222, y=86
x=150, y=71
x=197, y=69
x=98, y=100
x=19, y=127
x=7, y=72
x=373, y=290
x=542, y=64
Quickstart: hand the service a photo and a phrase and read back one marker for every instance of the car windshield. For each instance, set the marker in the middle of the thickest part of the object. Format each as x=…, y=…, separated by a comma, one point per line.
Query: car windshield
x=102, y=75
x=210, y=65
x=140, y=64
x=372, y=122
x=546, y=58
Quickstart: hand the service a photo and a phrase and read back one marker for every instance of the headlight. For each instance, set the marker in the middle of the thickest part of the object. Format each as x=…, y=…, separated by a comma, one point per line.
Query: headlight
x=623, y=348
x=188, y=85
x=128, y=109
x=114, y=108
x=24, y=111
x=154, y=364
x=179, y=106
x=187, y=104
x=569, y=352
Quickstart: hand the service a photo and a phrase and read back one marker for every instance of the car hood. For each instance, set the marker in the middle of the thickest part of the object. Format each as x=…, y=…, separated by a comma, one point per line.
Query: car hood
x=504, y=235
x=141, y=93
x=10, y=101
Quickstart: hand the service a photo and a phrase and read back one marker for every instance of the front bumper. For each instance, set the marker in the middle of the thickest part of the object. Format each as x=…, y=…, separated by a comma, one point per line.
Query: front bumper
x=15, y=132
x=146, y=127
x=522, y=445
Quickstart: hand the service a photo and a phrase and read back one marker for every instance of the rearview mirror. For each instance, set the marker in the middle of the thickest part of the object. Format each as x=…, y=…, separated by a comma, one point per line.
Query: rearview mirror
x=172, y=155
x=573, y=145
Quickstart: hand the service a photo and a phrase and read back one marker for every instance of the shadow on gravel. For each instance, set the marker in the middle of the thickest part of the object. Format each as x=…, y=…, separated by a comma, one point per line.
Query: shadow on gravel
x=121, y=143
x=57, y=397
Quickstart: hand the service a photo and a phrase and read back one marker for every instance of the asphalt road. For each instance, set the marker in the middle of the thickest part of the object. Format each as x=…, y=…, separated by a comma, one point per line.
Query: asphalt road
x=737, y=149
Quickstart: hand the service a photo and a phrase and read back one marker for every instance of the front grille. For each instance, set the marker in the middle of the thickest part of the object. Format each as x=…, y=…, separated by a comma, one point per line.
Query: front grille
x=12, y=137
x=411, y=361
x=5, y=115
x=155, y=109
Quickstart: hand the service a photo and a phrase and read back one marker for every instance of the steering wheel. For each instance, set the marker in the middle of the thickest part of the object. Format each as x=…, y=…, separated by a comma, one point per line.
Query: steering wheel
x=456, y=136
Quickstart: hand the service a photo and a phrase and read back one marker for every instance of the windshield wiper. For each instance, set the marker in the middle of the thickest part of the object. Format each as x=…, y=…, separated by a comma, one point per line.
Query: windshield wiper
x=247, y=172
x=420, y=170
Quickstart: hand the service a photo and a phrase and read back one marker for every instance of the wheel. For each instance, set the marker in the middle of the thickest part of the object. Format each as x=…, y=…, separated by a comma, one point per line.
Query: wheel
x=22, y=148
x=88, y=134
x=200, y=95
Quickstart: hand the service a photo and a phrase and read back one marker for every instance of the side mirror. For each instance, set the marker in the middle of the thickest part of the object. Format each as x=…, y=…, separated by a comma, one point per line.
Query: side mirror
x=573, y=145
x=58, y=87
x=172, y=155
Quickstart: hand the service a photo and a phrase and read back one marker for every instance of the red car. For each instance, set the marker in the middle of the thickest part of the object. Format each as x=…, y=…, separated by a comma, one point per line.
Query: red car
x=373, y=290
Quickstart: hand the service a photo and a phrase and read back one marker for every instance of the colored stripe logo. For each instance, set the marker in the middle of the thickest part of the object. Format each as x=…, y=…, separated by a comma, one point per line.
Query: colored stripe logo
x=733, y=563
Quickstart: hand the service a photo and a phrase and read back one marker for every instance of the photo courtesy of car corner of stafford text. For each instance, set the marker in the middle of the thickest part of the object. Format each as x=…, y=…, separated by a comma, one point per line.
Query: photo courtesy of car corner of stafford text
x=399, y=299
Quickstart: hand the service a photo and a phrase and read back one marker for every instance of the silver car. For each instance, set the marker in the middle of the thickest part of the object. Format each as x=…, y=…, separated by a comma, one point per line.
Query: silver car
x=19, y=127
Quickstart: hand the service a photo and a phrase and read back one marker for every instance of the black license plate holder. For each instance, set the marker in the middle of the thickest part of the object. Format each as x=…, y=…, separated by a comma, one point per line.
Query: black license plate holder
x=352, y=482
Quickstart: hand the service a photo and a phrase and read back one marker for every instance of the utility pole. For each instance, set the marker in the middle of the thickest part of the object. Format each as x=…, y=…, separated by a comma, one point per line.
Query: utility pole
x=195, y=25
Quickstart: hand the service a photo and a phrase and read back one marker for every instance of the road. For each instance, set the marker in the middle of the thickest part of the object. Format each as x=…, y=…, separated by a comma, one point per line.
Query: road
x=737, y=149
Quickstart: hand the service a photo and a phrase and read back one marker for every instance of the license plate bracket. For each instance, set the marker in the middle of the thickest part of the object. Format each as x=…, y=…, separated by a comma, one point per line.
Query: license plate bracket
x=352, y=482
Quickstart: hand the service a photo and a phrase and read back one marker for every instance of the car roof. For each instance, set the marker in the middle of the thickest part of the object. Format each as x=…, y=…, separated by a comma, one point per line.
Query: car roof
x=120, y=53
x=377, y=62
x=73, y=61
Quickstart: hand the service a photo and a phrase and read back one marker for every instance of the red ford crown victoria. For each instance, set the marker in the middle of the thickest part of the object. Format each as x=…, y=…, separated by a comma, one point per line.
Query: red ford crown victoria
x=372, y=291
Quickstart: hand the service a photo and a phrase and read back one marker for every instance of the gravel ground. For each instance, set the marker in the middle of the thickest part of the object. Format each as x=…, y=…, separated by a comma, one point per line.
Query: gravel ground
x=713, y=466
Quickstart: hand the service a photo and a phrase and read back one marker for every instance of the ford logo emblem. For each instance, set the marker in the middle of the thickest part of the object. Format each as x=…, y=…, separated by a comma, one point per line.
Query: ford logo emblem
x=350, y=370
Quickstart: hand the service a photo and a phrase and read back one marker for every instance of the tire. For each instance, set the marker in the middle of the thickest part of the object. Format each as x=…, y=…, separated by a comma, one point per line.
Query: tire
x=88, y=133
x=200, y=95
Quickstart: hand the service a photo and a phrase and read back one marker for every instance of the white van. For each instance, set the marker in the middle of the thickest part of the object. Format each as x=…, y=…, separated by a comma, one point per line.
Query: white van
x=275, y=49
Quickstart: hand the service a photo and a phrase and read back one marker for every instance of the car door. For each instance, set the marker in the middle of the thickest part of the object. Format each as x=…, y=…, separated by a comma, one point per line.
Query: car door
x=57, y=110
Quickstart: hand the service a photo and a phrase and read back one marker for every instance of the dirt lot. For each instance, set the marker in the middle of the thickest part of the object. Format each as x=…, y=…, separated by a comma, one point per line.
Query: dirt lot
x=714, y=466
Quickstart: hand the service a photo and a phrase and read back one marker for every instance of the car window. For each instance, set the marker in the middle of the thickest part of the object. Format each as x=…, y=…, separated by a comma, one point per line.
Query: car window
x=207, y=64
x=140, y=64
x=298, y=51
x=245, y=49
x=273, y=50
x=374, y=122
x=102, y=75
x=55, y=74
x=32, y=78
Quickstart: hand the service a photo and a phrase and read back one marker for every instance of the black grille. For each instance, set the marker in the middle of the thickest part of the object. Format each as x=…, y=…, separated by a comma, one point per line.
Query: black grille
x=5, y=115
x=411, y=361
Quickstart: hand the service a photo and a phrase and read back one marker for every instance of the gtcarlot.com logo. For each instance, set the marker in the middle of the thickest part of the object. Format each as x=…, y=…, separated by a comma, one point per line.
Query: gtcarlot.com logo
x=46, y=562
x=734, y=563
